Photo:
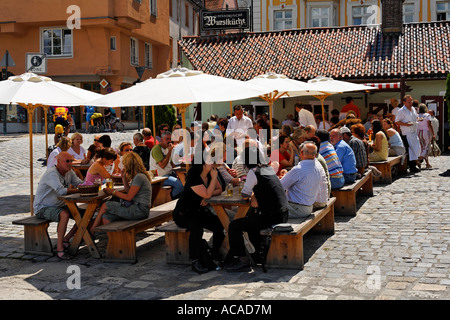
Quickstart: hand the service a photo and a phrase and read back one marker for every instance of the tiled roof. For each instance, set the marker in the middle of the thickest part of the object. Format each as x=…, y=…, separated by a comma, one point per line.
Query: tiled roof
x=357, y=52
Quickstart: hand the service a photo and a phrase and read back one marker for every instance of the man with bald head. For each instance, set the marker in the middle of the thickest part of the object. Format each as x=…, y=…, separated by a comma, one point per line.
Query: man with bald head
x=302, y=183
x=58, y=180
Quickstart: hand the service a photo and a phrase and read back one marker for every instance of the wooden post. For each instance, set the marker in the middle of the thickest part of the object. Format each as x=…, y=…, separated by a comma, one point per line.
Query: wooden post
x=143, y=116
x=153, y=120
x=46, y=130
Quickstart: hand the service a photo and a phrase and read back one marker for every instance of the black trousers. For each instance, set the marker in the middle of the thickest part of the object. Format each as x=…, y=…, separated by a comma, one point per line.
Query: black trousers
x=253, y=223
x=411, y=164
x=195, y=222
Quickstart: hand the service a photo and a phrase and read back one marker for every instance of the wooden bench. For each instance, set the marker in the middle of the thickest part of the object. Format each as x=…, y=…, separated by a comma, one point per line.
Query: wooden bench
x=386, y=169
x=346, y=196
x=36, y=238
x=121, y=245
x=286, y=249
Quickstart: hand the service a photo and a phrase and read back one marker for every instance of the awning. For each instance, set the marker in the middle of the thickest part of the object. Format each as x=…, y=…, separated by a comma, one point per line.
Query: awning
x=391, y=85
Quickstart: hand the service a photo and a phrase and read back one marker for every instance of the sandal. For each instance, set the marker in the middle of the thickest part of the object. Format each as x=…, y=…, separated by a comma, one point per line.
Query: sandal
x=63, y=255
x=66, y=244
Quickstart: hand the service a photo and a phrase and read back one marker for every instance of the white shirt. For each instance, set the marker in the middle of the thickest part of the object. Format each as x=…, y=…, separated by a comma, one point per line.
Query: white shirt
x=435, y=124
x=306, y=118
x=405, y=115
x=51, y=161
x=239, y=127
x=78, y=156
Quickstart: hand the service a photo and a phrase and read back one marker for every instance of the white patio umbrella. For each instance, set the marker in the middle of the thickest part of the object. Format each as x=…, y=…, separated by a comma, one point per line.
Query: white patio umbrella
x=280, y=86
x=32, y=91
x=327, y=86
x=180, y=87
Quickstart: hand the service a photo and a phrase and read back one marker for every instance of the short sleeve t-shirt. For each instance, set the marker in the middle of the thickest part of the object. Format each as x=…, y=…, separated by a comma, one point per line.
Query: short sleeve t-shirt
x=144, y=194
x=189, y=201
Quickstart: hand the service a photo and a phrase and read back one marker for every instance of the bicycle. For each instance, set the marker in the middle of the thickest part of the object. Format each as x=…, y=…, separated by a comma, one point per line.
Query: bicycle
x=97, y=125
x=116, y=125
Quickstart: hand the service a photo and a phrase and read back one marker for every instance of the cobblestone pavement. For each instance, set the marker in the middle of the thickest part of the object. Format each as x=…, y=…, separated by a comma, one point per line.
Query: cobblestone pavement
x=397, y=247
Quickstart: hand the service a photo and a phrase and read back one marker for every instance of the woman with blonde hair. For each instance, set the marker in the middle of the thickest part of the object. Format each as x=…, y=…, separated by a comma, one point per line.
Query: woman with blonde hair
x=64, y=144
x=77, y=150
x=135, y=201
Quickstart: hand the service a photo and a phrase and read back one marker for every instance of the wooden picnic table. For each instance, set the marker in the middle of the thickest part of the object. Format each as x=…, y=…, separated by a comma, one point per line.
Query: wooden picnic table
x=181, y=173
x=79, y=167
x=222, y=201
x=82, y=222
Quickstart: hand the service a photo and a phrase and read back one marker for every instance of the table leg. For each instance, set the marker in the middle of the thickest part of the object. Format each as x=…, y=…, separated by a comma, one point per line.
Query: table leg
x=83, y=224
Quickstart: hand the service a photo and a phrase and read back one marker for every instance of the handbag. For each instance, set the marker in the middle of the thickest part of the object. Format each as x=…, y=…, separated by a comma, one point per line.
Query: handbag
x=434, y=149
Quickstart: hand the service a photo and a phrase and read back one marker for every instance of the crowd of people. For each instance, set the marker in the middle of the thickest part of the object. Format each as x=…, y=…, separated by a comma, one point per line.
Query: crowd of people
x=286, y=174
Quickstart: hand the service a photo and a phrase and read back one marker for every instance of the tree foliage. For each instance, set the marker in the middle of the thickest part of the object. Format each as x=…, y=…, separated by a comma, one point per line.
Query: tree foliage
x=163, y=114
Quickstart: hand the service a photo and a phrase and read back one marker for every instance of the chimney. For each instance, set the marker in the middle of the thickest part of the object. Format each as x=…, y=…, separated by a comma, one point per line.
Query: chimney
x=392, y=17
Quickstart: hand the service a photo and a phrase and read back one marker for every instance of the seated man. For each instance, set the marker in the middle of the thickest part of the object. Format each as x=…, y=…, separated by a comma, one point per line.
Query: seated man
x=149, y=140
x=304, y=182
x=358, y=147
x=161, y=161
x=328, y=152
x=345, y=154
x=57, y=181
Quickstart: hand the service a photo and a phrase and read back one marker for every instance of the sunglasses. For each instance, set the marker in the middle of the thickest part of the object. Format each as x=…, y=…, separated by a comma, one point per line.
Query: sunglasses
x=69, y=161
x=96, y=140
x=127, y=150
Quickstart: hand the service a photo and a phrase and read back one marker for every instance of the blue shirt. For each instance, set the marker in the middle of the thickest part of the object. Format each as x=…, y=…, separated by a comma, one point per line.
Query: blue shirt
x=346, y=156
x=302, y=182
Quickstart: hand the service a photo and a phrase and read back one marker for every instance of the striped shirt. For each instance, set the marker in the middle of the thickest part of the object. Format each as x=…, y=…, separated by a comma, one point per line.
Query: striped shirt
x=329, y=154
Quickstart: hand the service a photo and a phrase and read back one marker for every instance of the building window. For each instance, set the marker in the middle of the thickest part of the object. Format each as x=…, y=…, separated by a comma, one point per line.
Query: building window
x=443, y=11
x=113, y=44
x=153, y=8
x=361, y=15
x=408, y=13
x=148, y=56
x=320, y=17
x=282, y=19
x=134, y=52
x=57, y=42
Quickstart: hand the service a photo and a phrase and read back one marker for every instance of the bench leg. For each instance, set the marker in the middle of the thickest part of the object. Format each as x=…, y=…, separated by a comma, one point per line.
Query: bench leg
x=177, y=247
x=286, y=252
x=345, y=204
x=37, y=240
x=326, y=224
x=121, y=247
x=367, y=188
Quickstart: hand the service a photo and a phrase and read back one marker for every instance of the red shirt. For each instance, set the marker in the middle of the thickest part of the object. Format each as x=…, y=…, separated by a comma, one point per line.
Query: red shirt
x=281, y=157
x=353, y=107
x=151, y=142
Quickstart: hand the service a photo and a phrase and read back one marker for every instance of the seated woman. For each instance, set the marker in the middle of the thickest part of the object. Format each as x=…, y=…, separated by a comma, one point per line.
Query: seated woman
x=380, y=144
x=396, y=147
x=284, y=154
x=77, y=150
x=192, y=213
x=269, y=206
x=219, y=157
x=64, y=144
x=135, y=200
x=97, y=170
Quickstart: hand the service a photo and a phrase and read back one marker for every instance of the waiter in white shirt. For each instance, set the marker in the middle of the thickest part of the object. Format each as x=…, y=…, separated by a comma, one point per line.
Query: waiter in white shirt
x=238, y=125
x=406, y=119
x=305, y=117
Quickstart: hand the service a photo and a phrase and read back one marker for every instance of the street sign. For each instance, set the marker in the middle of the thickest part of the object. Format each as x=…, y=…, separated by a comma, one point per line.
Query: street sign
x=104, y=83
x=140, y=71
x=36, y=62
x=7, y=60
x=227, y=19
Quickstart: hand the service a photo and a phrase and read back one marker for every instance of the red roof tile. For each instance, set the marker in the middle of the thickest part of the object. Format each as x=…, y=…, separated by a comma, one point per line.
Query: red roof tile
x=346, y=52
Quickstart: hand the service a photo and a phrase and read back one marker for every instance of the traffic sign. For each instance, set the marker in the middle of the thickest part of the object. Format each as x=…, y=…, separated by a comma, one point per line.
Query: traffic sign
x=7, y=60
x=36, y=62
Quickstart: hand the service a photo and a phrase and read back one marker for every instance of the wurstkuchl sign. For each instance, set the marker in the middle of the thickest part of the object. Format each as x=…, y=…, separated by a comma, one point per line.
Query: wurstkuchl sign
x=219, y=20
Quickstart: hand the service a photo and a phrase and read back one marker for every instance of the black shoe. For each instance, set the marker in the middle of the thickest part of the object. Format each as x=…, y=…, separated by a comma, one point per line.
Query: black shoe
x=414, y=169
x=198, y=267
x=445, y=174
x=240, y=266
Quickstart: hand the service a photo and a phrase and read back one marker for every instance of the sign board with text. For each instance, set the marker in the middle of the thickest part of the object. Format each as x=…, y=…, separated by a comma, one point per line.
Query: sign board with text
x=221, y=20
x=36, y=62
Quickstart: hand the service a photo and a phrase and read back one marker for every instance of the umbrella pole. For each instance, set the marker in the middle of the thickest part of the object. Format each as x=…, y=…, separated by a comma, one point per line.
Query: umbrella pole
x=231, y=108
x=30, y=108
x=46, y=130
x=153, y=120
x=143, y=116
